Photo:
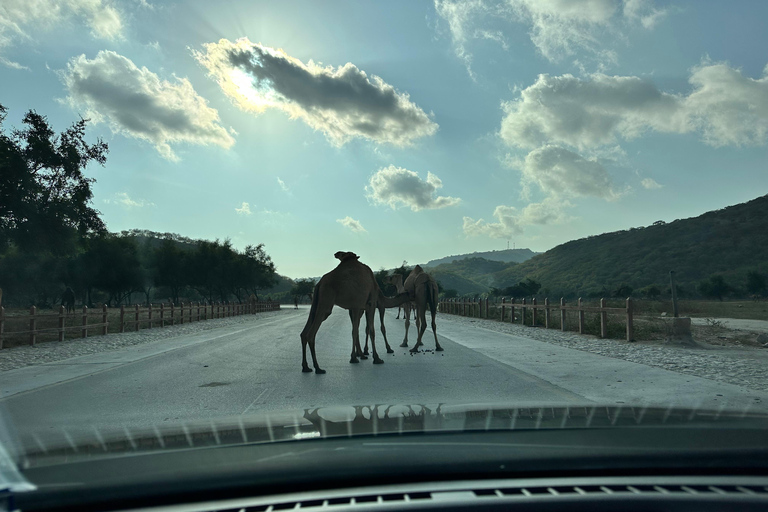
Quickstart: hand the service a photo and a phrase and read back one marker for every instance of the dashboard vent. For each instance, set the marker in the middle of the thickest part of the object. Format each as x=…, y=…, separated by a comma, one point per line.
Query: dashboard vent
x=472, y=493
x=332, y=502
x=585, y=490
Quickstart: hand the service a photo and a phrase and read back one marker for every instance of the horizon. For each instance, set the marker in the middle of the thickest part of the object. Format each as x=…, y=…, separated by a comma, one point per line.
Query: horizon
x=407, y=132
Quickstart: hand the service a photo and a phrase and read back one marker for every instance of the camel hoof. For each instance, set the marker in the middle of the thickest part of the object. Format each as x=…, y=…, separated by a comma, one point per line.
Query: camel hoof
x=390, y=351
x=306, y=369
x=404, y=344
x=319, y=371
x=438, y=349
x=354, y=360
x=365, y=352
x=414, y=350
x=378, y=360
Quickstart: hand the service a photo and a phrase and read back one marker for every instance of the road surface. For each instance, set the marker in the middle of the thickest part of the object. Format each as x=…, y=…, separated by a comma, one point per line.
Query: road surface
x=254, y=367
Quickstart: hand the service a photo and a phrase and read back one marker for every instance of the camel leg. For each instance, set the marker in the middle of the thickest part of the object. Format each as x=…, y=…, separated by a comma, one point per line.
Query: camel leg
x=354, y=315
x=399, y=308
x=384, y=331
x=407, y=315
x=433, y=310
x=364, y=353
x=319, y=311
x=421, y=320
x=370, y=326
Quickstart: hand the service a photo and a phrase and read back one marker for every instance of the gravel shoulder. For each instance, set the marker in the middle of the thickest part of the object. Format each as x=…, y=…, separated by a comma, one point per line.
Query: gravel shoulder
x=741, y=365
x=50, y=352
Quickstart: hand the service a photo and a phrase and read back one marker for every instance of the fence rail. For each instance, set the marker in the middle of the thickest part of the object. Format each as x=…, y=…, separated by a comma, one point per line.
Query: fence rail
x=137, y=317
x=481, y=308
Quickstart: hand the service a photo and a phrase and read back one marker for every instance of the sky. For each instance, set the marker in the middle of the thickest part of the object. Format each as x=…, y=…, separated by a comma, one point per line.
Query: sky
x=399, y=130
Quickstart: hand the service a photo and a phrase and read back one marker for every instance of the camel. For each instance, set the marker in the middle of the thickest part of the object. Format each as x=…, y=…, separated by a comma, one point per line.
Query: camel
x=352, y=286
x=68, y=300
x=421, y=288
x=397, y=281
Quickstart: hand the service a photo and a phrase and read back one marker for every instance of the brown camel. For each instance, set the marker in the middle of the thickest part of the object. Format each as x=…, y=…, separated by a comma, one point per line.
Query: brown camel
x=397, y=281
x=422, y=289
x=352, y=286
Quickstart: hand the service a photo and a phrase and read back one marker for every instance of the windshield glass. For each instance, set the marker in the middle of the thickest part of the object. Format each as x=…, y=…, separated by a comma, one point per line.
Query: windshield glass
x=297, y=214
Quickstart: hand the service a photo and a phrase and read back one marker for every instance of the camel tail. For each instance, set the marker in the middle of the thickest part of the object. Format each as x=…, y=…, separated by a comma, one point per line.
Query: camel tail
x=312, y=309
x=432, y=294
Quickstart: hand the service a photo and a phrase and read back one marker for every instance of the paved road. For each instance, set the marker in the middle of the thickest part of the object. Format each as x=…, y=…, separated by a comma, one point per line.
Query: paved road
x=256, y=367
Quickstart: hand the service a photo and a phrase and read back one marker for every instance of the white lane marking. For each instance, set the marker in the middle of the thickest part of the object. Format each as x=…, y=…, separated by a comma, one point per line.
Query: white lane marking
x=268, y=391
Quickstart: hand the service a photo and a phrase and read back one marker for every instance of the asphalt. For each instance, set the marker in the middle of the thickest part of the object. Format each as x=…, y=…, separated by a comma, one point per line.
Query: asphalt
x=249, y=368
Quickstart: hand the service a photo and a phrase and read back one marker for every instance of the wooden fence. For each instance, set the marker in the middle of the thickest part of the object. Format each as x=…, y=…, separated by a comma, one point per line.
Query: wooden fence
x=135, y=317
x=481, y=308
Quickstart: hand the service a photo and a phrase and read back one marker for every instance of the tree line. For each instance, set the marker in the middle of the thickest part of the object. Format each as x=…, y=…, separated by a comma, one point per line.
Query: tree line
x=52, y=238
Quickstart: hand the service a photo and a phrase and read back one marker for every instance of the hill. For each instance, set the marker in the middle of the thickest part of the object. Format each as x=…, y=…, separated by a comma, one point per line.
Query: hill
x=729, y=242
x=506, y=255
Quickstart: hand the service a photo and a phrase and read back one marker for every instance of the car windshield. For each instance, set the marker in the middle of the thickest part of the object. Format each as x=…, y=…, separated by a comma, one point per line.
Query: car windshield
x=355, y=217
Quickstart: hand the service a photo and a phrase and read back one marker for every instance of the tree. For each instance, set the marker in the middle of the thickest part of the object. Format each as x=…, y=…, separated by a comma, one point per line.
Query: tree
x=117, y=268
x=715, y=287
x=525, y=288
x=651, y=292
x=756, y=282
x=623, y=291
x=44, y=195
x=302, y=288
x=450, y=293
x=170, y=267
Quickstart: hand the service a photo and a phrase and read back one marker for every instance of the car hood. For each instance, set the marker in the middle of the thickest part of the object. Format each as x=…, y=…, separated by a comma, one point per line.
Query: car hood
x=65, y=445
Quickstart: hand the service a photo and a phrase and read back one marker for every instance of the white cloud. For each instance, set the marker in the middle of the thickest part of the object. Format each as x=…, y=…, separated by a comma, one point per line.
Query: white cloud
x=21, y=19
x=650, y=184
x=560, y=172
x=728, y=107
x=343, y=102
x=724, y=107
x=588, y=112
x=557, y=28
x=396, y=186
x=122, y=199
x=137, y=103
x=283, y=186
x=510, y=221
x=245, y=209
x=352, y=224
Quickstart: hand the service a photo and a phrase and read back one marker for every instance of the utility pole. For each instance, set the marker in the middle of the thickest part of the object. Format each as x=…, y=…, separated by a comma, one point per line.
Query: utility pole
x=674, y=293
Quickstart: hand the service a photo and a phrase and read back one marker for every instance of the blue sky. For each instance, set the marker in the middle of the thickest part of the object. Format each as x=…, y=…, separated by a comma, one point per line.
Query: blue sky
x=400, y=130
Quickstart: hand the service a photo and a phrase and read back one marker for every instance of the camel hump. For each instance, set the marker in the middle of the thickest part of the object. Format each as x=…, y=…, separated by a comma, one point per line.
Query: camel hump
x=346, y=255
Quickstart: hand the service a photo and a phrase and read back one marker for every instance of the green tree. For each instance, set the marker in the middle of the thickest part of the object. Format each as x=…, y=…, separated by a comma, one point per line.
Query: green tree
x=756, y=282
x=170, y=267
x=715, y=287
x=44, y=195
x=623, y=291
x=450, y=294
x=303, y=288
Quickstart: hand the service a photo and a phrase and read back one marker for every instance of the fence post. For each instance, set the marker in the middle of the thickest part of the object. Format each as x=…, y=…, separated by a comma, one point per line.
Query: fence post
x=104, y=320
x=84, y=329
x=603, y=320
x=533, y=312
x=546, y=313
x=61, y=323
x=181, y=313
x=136, y=318
x=562, y=314
x=190, y=312
x=162, y=314
x=149, y=316
x=198, y=311
x=32, y=325
x=487, y=307
x=503, y=305
x=522, y=313
x=630, y=331
x=2, y=325
x=173, y=320
x=581, y=318
x=122, y=318
x=512, y=310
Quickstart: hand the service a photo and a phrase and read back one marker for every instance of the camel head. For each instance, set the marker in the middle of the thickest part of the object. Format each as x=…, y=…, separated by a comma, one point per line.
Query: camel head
x=345, y=255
